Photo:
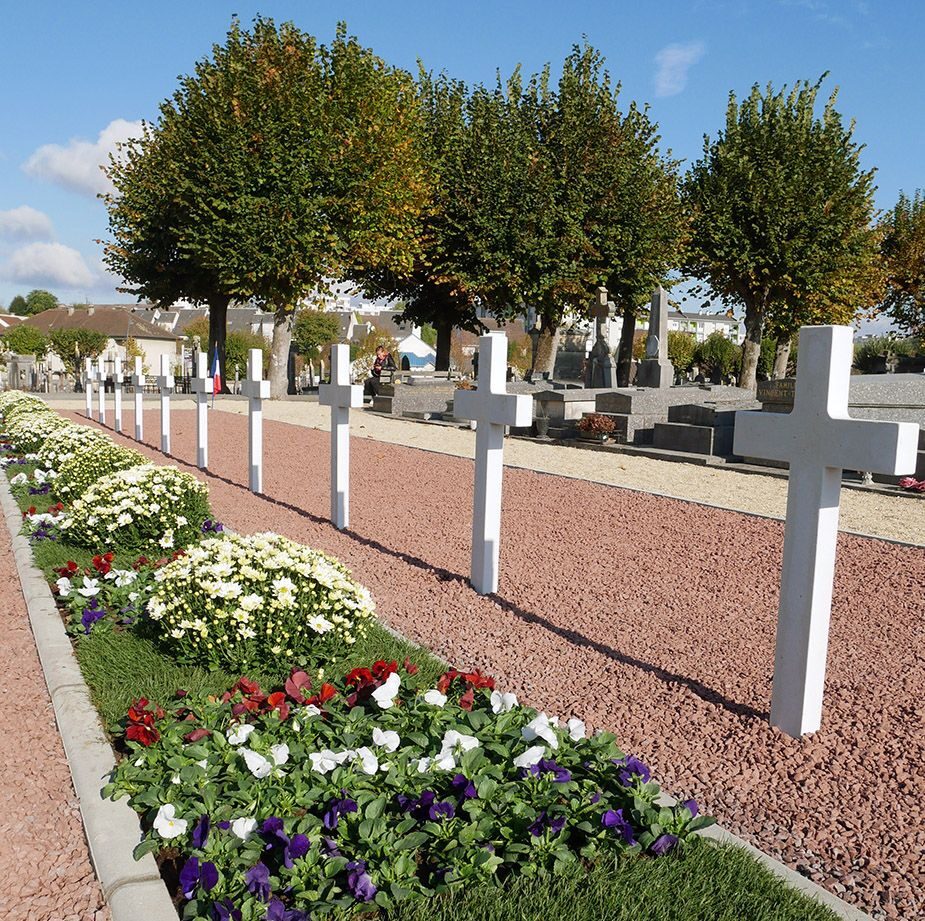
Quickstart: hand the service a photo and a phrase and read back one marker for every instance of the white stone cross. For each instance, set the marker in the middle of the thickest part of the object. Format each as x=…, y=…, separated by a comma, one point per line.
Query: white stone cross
x=89, y=377
x=101, y=390
x=341, y=396
x=165, y=383
x=256, y=389
x=493, y=408
x=818, y=439
x=139, y=382
x=117, y=391
x=203, y=385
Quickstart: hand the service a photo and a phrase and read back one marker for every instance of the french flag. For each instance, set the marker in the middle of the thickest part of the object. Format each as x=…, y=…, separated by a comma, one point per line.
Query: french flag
x=216, y=374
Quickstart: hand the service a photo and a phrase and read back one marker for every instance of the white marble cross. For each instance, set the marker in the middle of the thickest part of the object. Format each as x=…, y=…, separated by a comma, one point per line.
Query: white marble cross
x=203, y=385
x=492, y=408
x=165, y=383
x=818, y=439
x=89, y=378
x=139, y=381
x=256, y=389
x=341, y=396
x=117, y=391
x=101, y=390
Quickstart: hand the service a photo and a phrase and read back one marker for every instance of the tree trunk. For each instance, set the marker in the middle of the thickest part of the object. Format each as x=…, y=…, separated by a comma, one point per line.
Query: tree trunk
x=625, y=348
x=218, y=326
x=781, y=358
x=279, y=353
x=751, y=350
x=444, y=342
x=546, y=348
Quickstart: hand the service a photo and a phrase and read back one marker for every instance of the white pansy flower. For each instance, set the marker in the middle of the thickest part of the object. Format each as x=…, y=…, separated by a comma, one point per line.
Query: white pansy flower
x=386, y=738
x=324, y=761
x=422, y=765
x=279, y=754
x=502, y=703
x=576, y=729
x=259, y=766
x=540, y=728
x=243, y=828
x=435, y=698
x=64, y=586
x=19, y=478
x=91, y=587
x=167, y=825
x=385, y=694
x=530, y=757
x=238, y=735
x=368, y=760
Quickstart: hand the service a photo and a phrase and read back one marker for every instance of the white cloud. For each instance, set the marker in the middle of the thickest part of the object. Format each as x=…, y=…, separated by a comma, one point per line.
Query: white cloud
x=49, y=264
x=25, y=223
x=76, y=165
x=673, y=63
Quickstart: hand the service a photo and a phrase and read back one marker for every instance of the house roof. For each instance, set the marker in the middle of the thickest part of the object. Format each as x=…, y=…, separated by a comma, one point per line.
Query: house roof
x=116, y=322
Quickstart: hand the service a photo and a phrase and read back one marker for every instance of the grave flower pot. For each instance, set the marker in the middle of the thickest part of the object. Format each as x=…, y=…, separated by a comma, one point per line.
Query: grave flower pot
x=542, y=427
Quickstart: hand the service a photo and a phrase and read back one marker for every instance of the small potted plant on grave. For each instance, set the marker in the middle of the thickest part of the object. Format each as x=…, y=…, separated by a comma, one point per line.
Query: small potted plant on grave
x=596, y=427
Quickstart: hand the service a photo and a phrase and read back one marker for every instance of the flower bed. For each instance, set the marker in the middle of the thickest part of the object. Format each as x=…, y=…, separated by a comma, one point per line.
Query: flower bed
x=69, y=442
x=319, y=797
x=98, y=459
x=140, y=508
x=29, y=428
x=235, y=600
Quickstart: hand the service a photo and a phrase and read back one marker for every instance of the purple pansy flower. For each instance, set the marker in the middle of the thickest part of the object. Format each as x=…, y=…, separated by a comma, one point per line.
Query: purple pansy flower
x=663, y=845
x=544, y=821
x=444, y=810
x=257, y=879
x=463, y=787
x=337, y=808
x=691, y=806
x=91, y=615
x=201, y=832
x=359, y=883
x=276, y=911
x=195, y=874
x=329, y=847
x=547, y=766
x=613, y=818
x=225, y=911
x=631, y=768
x=296, y=848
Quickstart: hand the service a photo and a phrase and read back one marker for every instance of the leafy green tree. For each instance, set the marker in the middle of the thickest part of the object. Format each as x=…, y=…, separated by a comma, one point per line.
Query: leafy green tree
x=18, y=306
x=39, y=300
x=781, y=215
x=198, y=332
x=903, y=248
x=23, y=339
x=429, y=335
x=313, y=330
x=72, y=346
x=718, y=355
x=681, y=349
x=237, y=350
x=132, y=351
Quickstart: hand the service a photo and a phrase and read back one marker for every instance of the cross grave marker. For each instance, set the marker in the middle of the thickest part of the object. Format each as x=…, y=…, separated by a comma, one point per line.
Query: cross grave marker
x=117, y=378
x=256, y=389
x=341, y=396
x=818, y=439
x=492, y=408
x=138, y=382
x=89, y=377
x=165, y=383
x=203, y=384
x=101, y=390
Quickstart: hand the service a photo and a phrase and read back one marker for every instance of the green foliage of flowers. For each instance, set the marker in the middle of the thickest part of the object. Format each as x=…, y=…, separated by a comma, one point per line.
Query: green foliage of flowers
x=80, y=472
x=68, y=442
x=10, y=398
x=238, y=600
x=141, y=508
x=28, y=427
x=379, y=790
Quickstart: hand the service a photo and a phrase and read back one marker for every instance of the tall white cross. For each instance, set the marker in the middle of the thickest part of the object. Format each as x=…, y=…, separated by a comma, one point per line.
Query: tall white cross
x=165, y=383
x=492, y=408
x=341, y=396
x=89, y=377
x=117, y=391
x=256, y=389
x=202, y=385
x=139, y=382
x=818, y=439
x=101, y=390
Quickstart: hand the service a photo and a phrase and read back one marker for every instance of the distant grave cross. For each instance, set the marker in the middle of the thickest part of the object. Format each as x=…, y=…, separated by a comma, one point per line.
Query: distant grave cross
x=117, y=378
x=101, y=390
x=89, y=377
x=492, y=408
x=341, y=396
x=139, y=382
x=165, y=383
x=601, y=313
x=203, y=385
x=818, y=439
x=256, y=389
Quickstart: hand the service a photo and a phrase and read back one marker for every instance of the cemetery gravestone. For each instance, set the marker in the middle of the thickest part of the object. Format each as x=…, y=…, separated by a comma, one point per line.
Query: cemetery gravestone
x=656, y=370
x=203, y=384
x=818, y=438
x=341, y=396
x=138, y=383
x=492, y=408
x=602, y=369
x=165, y=383
x=256, y=389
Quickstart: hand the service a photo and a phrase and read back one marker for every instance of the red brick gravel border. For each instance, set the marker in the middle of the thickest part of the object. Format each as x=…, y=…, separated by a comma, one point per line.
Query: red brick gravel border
x=652, y=617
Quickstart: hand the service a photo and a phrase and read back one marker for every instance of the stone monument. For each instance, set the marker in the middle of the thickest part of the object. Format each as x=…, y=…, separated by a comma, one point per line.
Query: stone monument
x=602, y=369
x=655, y=370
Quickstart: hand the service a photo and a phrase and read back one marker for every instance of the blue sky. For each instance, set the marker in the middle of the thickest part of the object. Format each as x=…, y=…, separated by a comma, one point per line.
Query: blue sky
x=76, y=77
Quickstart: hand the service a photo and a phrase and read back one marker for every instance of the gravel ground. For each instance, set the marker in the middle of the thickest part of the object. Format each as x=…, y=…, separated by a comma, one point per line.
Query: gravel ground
x=45, y=870
x=649, y=616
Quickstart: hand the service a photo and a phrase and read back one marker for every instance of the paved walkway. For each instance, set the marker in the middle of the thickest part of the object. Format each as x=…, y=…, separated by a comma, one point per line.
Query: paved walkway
x=45, y=870
x=652, y=617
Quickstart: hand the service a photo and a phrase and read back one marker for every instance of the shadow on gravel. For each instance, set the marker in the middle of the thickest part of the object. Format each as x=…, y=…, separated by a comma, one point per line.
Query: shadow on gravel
x=572, y=637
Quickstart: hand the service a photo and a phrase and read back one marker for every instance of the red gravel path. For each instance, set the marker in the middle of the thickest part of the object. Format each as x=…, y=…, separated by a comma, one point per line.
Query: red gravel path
x=651, y=617
x=45, y=870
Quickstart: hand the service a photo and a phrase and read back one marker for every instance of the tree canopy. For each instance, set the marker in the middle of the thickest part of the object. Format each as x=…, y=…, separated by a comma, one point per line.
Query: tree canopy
x=23, y=339
x=34, y=302
x=781, y=214
x=72, y=346
x=313, y=330
x=903, y=247
x=18, y=306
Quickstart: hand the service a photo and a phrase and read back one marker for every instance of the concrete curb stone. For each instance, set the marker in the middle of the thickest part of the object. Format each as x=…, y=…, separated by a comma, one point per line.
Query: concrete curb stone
x=132, y=889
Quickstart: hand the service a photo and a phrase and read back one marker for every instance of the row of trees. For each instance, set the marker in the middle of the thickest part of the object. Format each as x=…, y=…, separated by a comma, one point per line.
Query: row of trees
x=72, y=346
x=34, y=302
x=281, y=162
